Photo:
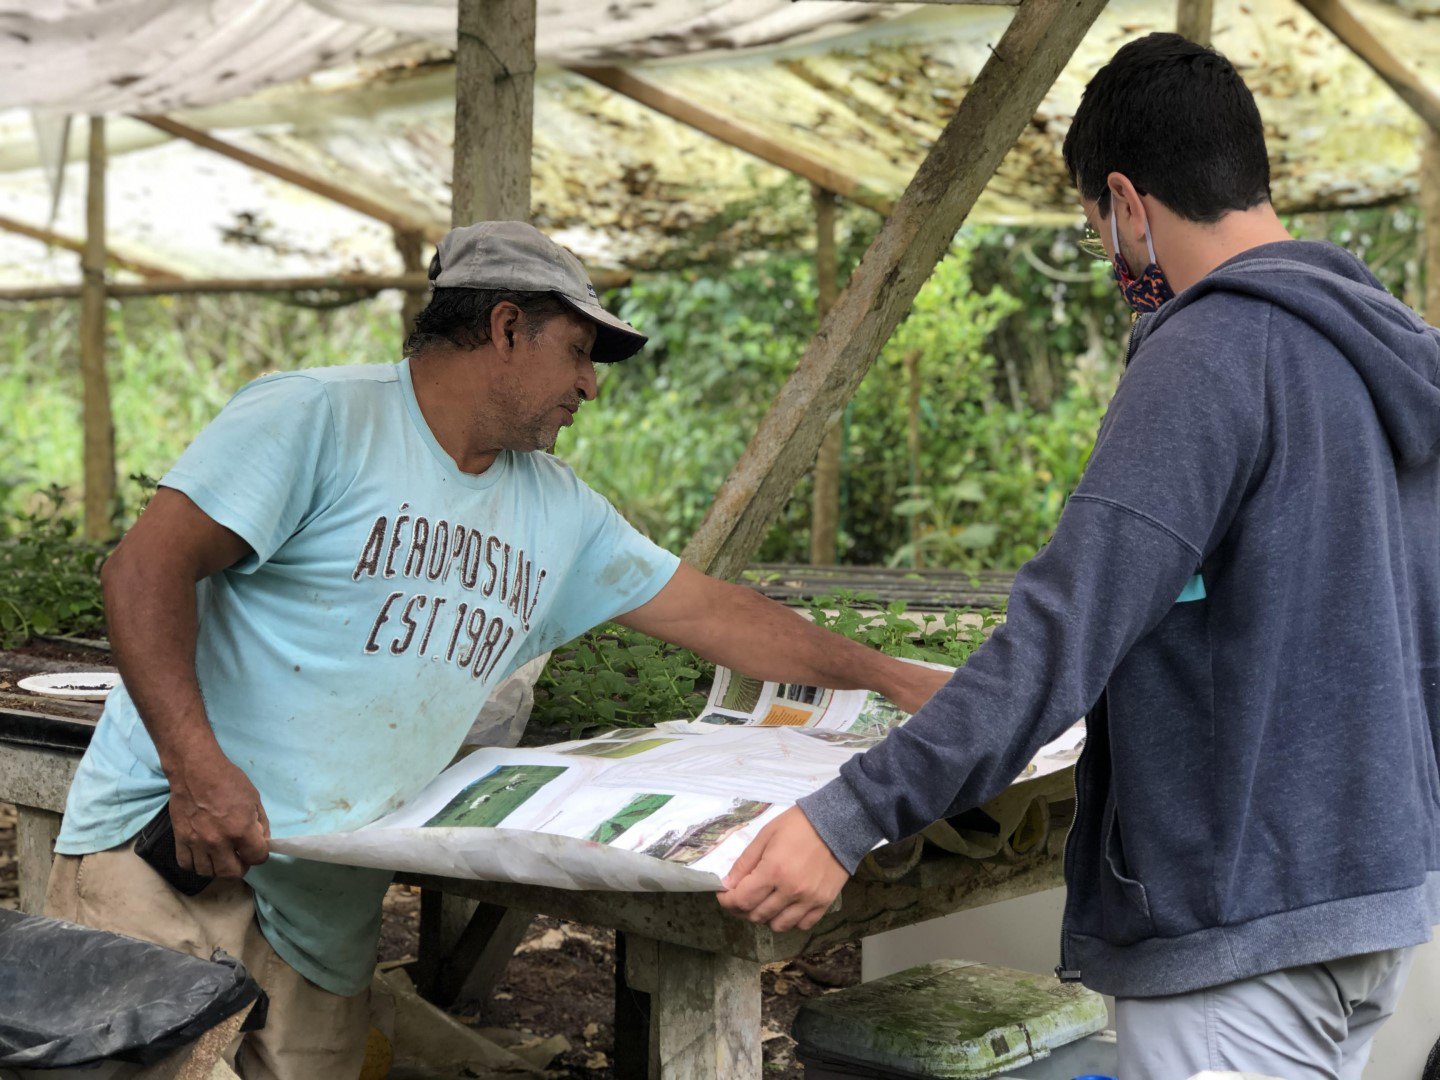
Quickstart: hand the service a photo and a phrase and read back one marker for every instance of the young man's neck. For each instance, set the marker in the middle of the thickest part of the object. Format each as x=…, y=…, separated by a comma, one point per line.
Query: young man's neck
x=450, y=389
x=1187, y=251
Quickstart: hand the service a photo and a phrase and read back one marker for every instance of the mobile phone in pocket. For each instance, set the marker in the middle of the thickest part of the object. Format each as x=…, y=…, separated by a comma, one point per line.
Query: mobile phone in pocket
x=155, y=843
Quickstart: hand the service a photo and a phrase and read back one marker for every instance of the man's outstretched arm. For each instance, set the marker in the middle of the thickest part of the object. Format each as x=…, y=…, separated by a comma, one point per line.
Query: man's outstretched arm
x=737, y=627
x=149, y=584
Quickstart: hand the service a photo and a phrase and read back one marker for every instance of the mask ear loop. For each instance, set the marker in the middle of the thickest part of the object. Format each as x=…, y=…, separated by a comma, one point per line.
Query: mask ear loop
x=1122, y=267
x=1115, y=238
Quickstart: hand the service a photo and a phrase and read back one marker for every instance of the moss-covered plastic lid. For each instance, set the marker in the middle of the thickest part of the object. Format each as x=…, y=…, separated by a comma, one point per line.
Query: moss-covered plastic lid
x=951, y=1018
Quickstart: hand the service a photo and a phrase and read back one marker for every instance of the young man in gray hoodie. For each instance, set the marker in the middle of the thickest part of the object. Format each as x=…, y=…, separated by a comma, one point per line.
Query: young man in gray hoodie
x=1243, y=598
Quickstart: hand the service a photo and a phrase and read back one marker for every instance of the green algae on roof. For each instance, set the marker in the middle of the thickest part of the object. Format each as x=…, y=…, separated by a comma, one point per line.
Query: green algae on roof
x=952, y=1018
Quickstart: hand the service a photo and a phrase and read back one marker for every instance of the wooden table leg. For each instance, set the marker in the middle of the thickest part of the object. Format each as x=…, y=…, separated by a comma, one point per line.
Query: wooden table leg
x=35, y=832
x=464, y=947
x=705, y=1015
x=634, y=967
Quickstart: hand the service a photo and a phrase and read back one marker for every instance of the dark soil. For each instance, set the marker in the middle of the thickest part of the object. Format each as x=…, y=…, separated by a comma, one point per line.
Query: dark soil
x=65, y=651
x=561, y=981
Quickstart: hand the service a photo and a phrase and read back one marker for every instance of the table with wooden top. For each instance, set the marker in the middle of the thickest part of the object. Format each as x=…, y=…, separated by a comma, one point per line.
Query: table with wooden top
x=687, y=974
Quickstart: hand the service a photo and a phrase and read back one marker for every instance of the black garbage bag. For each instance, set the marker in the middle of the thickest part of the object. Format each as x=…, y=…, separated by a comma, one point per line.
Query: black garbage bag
x=72, y=995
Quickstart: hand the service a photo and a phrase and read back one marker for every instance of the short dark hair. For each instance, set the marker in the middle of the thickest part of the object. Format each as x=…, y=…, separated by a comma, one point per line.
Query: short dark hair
x=1178, y=121
x=461, y=317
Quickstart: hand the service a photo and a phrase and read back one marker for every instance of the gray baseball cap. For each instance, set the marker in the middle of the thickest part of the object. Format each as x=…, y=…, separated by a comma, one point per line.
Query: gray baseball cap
x=518, y=257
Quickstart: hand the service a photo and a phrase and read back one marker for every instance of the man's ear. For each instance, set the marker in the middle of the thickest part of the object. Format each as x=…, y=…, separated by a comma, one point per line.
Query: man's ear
x=1125, y=202
x=504, y=324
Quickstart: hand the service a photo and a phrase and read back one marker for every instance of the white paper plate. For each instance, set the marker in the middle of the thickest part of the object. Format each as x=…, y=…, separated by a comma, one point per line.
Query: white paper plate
x=80, y=685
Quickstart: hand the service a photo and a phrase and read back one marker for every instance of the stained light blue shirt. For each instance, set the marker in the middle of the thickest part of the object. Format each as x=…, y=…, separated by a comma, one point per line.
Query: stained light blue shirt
x=344, y=659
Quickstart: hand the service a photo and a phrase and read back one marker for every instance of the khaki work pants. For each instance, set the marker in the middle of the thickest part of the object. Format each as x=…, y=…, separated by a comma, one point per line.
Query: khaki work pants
x=310, y=1033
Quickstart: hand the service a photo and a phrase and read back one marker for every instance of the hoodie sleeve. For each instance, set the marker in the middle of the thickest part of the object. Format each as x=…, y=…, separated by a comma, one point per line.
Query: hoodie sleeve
x=1172, y=462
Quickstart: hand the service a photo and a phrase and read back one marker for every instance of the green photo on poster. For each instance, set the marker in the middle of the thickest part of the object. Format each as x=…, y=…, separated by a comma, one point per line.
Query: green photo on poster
x=634, y=812
x=491, y=799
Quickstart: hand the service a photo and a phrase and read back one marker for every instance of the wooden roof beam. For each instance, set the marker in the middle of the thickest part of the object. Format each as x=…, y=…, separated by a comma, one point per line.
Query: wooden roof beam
x=737, y=135
x=368, y=283
x=1356, y=37
x=1034, y=49
x=960, y=3
x=325, y=189
x=146, y=270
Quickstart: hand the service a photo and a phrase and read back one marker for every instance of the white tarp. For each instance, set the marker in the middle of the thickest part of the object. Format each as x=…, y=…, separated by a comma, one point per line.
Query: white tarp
x=622, y=185
x=125, y=56
x=668, y=808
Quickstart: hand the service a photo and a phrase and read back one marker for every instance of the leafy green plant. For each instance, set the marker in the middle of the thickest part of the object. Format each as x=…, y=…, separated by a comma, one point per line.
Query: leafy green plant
x=617, y=677
x=946, y=637
x=49, y=577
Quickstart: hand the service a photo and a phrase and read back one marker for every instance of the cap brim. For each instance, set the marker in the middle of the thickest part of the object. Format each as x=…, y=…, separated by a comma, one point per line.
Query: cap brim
x=615, y=339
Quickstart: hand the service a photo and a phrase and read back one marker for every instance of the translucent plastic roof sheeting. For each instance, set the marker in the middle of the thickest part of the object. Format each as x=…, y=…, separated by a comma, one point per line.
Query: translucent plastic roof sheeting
x=109, y=56
x=624, y=186
x=112, y=56
x=572, y=31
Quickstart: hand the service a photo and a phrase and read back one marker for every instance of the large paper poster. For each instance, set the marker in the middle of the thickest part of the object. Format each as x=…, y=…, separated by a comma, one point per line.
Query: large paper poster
x=669, y=807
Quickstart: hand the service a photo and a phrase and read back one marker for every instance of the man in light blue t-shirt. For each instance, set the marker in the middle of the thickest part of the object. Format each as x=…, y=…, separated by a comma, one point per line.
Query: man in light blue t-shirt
x=322, y=594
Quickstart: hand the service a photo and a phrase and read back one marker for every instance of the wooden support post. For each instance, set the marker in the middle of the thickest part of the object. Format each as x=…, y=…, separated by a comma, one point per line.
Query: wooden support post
x=411, y=246
x=912, y=443
x=1430, y=213
x=494, y=111
x=711, y=123
x=1194, y=20
x=124, y=262
x=1041, y=38
x=1336, y=17
x=99, y=422
x=494, y=134
x=825, y=504
x=314, y=184
x=35, y=833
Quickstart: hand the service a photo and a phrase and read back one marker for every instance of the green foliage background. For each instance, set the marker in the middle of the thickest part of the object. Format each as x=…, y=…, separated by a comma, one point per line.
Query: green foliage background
x=1015, y=339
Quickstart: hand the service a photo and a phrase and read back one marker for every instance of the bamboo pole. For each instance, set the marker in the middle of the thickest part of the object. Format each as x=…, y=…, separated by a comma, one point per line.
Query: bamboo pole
x=1430, y=210
x=334, y=192
x=411, y=246
x=366, y=283
x=98, y=421
x=1194, y=19
x=1040, y=39
x=737, y=135
x=1355, y=36
x=494, y=111
x=360, y=283
x=912, y=446
x=69, y=243
x=825, y=502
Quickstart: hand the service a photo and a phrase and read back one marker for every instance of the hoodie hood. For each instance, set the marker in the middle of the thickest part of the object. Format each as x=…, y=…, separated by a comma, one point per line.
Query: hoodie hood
x=1395, y=353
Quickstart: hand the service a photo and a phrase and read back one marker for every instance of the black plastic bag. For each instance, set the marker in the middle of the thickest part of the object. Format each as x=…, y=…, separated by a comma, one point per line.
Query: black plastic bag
x=72, y=995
